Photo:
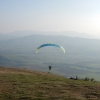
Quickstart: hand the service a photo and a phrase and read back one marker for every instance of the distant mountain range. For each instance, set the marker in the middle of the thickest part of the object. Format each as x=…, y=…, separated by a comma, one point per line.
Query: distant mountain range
x=82, y=54
x=17, y=34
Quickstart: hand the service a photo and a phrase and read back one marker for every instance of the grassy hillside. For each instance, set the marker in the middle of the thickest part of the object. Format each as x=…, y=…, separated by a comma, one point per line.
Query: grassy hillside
x=22, y=84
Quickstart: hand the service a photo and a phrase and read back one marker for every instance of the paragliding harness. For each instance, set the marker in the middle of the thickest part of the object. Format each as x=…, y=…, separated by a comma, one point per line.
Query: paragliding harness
x=50, y=68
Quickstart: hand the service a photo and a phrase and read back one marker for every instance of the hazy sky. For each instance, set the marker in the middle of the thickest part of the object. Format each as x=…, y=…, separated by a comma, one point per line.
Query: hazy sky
x=50, y=15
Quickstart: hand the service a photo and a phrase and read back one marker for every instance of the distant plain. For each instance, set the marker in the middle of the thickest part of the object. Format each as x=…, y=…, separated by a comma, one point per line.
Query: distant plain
x=82, y=57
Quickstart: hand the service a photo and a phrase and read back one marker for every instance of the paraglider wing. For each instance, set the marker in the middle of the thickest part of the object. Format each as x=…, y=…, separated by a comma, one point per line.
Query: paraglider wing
x=50, y=44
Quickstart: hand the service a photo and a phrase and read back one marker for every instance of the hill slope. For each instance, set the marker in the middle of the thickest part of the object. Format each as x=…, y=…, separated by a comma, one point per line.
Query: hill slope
x=22, y=84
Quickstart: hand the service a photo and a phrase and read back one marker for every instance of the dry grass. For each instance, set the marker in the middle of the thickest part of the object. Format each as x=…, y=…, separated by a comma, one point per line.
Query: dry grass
x=22, y=84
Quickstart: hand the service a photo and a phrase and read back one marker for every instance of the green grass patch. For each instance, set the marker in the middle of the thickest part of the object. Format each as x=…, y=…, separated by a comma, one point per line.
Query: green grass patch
x=21, y=84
